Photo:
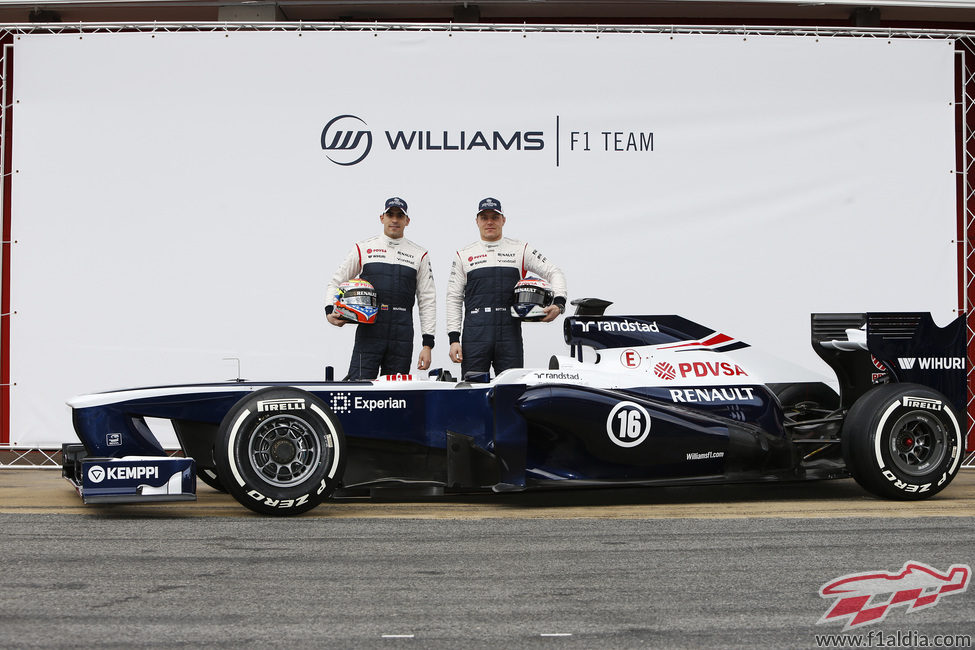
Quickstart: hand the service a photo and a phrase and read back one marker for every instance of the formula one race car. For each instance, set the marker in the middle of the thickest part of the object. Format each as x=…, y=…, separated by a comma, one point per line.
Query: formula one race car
x=661, y=401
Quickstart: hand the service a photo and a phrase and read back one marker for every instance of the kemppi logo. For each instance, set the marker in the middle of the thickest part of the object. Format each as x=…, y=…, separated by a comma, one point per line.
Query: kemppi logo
x=348, y=145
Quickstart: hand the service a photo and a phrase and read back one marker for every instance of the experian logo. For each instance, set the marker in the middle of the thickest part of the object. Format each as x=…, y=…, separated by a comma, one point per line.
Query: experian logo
x=349, y=142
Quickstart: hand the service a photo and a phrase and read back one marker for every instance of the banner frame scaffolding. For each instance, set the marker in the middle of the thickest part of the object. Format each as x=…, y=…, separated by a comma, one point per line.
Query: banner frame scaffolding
x=21, y=457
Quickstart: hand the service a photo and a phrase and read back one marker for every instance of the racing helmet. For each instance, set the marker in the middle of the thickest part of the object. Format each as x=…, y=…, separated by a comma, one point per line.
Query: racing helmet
x=357, y=302
x=532, y=295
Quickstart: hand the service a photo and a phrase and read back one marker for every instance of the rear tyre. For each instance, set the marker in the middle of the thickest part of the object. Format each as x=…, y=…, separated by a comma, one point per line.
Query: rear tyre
x=280, y=451
x=903, y=441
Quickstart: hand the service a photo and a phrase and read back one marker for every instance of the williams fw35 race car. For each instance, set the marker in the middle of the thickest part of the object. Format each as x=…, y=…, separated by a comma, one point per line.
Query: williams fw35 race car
x=640, y=400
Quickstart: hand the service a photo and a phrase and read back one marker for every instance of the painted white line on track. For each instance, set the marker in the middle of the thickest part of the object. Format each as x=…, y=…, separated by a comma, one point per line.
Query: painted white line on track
x=398, y=636
x=555, y=634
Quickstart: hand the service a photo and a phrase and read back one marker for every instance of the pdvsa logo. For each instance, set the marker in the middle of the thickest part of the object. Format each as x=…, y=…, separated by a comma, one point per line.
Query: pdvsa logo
x=346, y=141
x=664, y=370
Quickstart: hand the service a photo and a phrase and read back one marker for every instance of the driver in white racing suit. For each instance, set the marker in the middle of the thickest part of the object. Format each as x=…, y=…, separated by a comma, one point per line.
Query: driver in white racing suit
x=480, y=293
x=399, y=270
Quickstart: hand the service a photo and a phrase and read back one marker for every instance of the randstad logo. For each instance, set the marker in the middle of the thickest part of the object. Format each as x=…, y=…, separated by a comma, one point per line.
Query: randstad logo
x=346, y=140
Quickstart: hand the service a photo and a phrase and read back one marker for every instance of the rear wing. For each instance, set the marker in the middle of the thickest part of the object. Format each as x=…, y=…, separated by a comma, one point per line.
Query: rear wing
x=880, y=347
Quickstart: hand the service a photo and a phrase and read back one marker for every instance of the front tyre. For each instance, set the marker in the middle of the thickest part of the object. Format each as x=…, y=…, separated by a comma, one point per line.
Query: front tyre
x=280, y=451
x=902, y=441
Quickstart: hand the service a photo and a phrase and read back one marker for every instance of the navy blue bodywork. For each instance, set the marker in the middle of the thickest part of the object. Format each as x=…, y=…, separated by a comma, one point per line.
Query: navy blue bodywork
x=506, y=436
x=551, y=431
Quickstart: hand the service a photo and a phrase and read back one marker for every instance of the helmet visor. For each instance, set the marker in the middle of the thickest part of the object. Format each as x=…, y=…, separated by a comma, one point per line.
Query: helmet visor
x=530, y=296
x=360, y=297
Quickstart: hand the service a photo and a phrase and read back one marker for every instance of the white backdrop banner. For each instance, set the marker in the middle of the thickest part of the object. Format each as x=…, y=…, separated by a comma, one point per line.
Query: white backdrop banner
x=174, y=205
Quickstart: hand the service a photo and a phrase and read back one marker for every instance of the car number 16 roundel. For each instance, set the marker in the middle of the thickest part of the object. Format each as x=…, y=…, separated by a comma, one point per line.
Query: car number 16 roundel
x=628, y=424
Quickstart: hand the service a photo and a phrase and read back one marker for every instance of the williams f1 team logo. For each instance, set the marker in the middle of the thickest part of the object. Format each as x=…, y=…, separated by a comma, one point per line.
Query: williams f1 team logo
x=345, y=140
x=866, y=598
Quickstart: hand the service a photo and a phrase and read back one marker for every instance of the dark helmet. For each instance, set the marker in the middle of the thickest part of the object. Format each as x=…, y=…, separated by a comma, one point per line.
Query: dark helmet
x=532, y=295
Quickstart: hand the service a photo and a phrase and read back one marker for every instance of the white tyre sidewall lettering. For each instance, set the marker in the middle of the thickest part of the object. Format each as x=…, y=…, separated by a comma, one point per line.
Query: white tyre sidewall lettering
x=908, y=484
x=232, y=440
x=959, y=440
x=331, y=441
x=878, y=434
x=249, y=486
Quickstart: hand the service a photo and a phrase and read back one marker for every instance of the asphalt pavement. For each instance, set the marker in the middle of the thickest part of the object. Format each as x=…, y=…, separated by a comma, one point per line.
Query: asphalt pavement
x=118, y=579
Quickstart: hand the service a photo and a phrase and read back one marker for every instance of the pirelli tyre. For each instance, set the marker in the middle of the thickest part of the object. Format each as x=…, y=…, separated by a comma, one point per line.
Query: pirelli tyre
x=903, y=441
x=280, y=451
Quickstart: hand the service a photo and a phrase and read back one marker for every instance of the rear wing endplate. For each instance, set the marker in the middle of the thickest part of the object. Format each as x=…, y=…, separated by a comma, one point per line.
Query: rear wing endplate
x=878, y=347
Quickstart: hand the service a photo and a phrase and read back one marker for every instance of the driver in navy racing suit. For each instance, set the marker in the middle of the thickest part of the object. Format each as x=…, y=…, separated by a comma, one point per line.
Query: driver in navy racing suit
x=399, y=270
x=480, y=293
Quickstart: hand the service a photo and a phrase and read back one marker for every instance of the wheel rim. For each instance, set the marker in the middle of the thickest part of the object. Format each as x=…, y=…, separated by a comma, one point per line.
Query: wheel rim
x=284, y=450
x=918, y=442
